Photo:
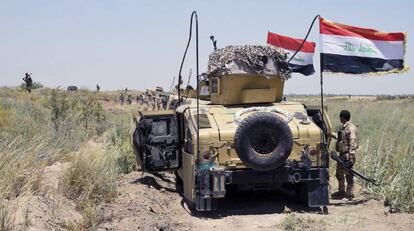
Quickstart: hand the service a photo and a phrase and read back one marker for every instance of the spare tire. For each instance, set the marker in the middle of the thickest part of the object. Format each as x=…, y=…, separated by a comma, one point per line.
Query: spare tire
x=263, y=141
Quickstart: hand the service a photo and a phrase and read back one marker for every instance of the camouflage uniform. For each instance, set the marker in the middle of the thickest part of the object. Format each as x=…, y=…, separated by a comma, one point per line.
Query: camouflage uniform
x=346, y=145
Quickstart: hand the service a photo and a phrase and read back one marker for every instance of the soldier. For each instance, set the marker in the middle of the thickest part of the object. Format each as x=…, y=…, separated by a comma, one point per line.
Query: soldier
x=129, y=99
x=121, y=99
x=346, y=145
x=98, y=88
x=29, y=82
x=141, y=98
x=164, y=100
x=159, y=102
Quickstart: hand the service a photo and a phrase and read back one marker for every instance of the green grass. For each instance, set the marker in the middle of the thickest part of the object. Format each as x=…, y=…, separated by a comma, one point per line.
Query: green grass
x=91, y=178
x=43, y=127
x=32, y=136
x=386, y=147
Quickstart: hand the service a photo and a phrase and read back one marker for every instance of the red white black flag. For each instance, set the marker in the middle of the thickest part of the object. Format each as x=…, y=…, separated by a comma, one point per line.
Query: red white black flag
x=303, y=60
x=355, y=50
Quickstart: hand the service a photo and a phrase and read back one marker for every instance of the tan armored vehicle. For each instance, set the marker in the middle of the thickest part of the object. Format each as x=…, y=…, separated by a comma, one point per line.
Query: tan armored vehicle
x=241, y=136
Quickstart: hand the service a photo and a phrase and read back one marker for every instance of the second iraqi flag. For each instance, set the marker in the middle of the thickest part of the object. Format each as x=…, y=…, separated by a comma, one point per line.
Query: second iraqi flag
x=303, y=60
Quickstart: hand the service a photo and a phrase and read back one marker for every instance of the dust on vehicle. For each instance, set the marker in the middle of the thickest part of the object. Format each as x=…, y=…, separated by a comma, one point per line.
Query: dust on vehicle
x=239, y=135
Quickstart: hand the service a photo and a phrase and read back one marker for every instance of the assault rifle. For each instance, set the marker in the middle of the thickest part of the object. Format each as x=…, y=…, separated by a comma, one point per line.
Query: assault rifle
x=336, y=158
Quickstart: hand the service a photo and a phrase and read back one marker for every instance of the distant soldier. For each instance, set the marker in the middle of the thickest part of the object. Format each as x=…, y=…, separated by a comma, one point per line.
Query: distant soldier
x=153, y=102
x=140, y=99
x=29, y=82
x=158, y=101
x=129, y=99
x=98, y=88
x=346, y=145
x=144, y=99
x=121, y=99
x=164, y=100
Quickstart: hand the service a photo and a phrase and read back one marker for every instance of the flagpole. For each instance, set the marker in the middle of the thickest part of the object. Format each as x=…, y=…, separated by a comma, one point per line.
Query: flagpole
x=321, y=73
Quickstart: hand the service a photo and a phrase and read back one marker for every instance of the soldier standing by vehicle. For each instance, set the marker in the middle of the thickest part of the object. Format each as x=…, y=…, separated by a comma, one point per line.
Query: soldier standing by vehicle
x=346, y=145
x=29, y=82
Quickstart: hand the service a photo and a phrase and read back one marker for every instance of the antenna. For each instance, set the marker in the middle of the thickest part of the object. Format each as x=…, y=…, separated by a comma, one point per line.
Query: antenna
x=189, y=78
x=172, y=84
x=214, y=42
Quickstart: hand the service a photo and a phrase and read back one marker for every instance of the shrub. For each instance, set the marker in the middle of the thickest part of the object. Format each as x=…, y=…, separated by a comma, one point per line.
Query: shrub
x=293, y=223
x=36, y=85
x=91, y=178
x=6, y=219
x=118, y=139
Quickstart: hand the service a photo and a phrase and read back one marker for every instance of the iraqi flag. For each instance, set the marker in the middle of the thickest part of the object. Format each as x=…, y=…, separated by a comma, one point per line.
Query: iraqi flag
x=354, y=50
x=303, y=60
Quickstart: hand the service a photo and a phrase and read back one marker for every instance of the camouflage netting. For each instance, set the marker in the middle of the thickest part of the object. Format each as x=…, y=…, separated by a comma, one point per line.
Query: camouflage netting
x=251, y=59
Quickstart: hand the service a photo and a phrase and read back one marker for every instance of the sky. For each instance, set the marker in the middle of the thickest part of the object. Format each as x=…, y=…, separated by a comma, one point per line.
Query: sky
x=139, y=44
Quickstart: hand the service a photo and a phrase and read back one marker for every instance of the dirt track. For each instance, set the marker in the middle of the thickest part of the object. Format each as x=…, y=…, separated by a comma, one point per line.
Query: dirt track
x=151, y=203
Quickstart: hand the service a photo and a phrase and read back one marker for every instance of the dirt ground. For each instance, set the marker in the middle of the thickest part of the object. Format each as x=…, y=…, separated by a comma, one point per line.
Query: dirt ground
x=150, y=202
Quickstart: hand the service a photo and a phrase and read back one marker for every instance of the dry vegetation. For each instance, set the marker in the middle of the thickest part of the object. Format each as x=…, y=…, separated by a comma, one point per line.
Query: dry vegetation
x=49, y=126
x=385, y=146
x=38, y=129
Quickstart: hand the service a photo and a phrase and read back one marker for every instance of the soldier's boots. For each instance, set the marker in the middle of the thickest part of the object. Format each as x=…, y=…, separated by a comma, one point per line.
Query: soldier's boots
x=341, y=190
x=338, y=195
x=350, y=192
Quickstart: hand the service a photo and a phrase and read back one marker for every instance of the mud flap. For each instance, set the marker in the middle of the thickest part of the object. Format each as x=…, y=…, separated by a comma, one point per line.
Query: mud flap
x=210, y=187
x=318, y=191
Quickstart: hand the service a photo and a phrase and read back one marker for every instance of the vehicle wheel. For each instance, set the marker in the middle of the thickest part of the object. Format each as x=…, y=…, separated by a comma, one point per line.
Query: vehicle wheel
x=263, y=141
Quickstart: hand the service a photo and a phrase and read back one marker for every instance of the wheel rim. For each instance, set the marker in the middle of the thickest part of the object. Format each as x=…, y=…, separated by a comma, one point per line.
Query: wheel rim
x=263, y=140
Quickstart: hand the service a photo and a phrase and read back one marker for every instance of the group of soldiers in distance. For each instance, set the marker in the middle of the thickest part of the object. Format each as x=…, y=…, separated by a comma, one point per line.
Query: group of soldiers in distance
x=150, y=100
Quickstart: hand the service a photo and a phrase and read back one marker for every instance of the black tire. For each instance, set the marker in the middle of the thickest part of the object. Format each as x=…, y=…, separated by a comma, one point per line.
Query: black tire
x=263, y=141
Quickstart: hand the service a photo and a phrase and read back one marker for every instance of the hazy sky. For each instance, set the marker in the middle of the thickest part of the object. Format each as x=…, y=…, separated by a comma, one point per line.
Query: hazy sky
x=139, y=44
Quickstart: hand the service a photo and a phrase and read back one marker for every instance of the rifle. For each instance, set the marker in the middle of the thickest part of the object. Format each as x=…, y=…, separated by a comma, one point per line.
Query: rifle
x=336, y=158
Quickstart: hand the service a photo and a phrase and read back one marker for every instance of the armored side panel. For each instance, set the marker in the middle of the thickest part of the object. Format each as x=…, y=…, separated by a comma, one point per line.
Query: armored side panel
x=155, y=141
x=245, y=89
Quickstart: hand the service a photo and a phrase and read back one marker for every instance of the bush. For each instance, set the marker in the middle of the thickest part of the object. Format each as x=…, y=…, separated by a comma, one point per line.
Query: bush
x=36, y=85
x=6, y=219
x=91, y=178
x=118, y=140
x=293, y=223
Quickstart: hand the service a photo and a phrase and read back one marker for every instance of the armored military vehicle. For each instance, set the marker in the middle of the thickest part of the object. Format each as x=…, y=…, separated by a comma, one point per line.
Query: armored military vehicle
x=241, y=135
